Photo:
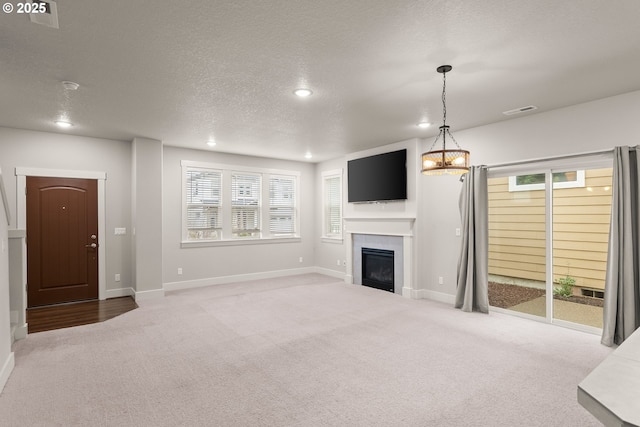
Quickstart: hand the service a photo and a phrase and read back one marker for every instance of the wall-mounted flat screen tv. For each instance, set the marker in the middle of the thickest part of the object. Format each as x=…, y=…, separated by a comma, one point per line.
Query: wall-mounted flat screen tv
x=377, y=178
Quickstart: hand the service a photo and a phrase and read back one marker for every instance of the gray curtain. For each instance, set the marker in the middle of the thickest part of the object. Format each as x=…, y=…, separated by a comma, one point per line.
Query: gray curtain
x=622, y=282
x=472, y=293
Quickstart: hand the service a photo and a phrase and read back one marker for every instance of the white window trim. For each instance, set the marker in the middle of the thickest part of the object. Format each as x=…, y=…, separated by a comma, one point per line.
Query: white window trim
x=578, y=183
x=226, y=240
x=327, y=237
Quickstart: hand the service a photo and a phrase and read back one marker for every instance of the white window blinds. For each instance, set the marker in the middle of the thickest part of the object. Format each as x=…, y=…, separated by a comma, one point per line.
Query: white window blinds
x=231, y=205
x=282, y=205
x=245, y=204
x=333, y=206
x=203, y=188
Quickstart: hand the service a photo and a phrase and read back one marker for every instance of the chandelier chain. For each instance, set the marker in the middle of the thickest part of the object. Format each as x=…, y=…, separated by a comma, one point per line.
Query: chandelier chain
x=444, y=99
x=444, y=130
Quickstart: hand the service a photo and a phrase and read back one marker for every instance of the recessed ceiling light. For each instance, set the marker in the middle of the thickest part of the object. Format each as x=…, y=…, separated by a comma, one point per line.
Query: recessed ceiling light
x=211, y=143
x=424, y=125
x=63, y=123
x=308, y=156
x=302, y=92
x=70, y=85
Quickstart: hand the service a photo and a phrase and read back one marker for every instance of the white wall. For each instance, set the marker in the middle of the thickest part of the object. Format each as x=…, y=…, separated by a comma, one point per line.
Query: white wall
x=210, y=265
x=21, y=148
x=146, y=202
x=6, y=356
x=591, y=126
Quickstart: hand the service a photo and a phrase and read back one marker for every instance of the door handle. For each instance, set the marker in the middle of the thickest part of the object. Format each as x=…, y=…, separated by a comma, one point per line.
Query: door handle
x=92, y=245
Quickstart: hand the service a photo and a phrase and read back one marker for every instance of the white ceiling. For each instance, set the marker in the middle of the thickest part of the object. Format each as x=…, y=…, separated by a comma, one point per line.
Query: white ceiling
x=184, y=72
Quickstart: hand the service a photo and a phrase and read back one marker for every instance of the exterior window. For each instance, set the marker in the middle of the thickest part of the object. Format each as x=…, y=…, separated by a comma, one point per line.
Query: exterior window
x=569, y=179
x=282, y=205
x=245, y=205
x=225, y=204
x=204, y=219
x=332, y=204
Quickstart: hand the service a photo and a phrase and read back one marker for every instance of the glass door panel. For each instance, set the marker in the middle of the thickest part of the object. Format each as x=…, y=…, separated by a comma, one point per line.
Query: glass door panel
x=517, y=244
x=581, y=216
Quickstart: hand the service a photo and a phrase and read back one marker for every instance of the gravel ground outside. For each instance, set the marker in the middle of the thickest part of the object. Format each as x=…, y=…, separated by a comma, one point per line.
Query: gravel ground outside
x=505, y=296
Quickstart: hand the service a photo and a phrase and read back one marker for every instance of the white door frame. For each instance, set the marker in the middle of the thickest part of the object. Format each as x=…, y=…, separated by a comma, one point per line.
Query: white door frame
x=21, y=209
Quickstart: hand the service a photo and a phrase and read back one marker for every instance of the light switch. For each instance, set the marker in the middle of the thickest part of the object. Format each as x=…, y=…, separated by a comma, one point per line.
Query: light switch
x=120, y=231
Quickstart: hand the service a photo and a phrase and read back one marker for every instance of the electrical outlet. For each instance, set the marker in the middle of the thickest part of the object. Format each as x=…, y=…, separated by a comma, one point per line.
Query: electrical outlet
x=117, y=277
x=179, y=271
x=457, y=231
x=338, y=263
x=300, y=260
x=440, y=280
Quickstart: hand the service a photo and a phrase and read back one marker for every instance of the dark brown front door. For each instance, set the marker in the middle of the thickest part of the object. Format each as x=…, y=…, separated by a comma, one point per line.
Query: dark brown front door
x=62, y=240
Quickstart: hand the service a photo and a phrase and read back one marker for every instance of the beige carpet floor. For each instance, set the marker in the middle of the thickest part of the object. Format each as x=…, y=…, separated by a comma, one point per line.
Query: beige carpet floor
x=301, y=351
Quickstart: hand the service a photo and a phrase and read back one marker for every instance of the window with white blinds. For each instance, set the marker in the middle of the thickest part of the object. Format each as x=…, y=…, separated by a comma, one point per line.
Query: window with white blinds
x=224, y=203
x=332, y=204
x=245, y=205
x=282, y=205
x=203, y=204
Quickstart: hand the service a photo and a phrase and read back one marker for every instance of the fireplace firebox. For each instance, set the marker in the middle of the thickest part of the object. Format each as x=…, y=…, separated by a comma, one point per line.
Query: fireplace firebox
x=377, y=269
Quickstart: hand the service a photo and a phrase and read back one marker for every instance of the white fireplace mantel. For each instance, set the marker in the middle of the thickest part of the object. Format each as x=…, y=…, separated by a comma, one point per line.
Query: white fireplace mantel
x=401, y=227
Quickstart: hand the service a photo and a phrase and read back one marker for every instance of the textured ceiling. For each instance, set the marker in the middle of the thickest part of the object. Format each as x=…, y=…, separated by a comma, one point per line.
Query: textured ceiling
x=185, y=72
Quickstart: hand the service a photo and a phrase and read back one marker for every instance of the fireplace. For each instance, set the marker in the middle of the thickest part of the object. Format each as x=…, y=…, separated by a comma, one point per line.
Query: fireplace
x=378, y=269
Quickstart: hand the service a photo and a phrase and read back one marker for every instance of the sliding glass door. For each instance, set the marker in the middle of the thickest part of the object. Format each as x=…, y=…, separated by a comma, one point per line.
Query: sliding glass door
x=581, y=217
x=517, y=244
x=548, y=238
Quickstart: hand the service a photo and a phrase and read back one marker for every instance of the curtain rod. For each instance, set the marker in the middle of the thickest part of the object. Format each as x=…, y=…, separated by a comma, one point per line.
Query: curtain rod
x=544, y=159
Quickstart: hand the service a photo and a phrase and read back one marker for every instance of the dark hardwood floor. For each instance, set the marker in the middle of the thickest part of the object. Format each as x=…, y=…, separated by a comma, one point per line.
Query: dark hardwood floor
x=79, y=313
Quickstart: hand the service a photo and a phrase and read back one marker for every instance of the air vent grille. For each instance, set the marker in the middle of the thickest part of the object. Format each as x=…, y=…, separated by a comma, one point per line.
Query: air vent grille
x=520, y=110
x=48, y=18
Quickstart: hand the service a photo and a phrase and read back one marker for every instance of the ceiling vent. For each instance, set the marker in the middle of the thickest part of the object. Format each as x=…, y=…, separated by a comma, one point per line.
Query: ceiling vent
x=520, y=110
x=44, y=12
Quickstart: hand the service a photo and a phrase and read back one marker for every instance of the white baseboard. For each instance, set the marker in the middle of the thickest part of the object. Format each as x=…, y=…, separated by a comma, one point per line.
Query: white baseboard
x=7, y=368
x=413, y=293
x=199, y=283
x=438, y=296
x=19, y=331
x=144, y=295
x=120, y=292
x=332, y=273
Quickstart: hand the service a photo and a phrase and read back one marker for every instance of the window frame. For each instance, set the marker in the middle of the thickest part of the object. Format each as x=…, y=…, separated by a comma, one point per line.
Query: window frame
x=273, y=205
x=326, y=234
x=186, y=204
x=264, y=205
x=578, y=183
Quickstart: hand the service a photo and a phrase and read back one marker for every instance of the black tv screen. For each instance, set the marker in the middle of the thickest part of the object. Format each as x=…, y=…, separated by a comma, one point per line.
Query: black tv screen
x=377, y=178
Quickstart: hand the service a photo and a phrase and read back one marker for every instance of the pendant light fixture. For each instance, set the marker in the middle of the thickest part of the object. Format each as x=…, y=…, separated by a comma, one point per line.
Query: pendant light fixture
x=438, y=162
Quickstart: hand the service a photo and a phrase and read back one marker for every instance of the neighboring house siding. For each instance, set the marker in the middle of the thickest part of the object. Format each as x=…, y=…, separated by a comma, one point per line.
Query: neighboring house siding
x=581, y=229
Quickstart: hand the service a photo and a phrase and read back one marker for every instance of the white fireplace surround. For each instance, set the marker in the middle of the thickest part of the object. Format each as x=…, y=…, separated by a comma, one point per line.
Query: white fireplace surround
x=374, y=233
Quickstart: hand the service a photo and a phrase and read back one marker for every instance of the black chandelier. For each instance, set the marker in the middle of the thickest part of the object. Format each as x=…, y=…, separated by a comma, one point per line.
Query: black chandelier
x=438, y=162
